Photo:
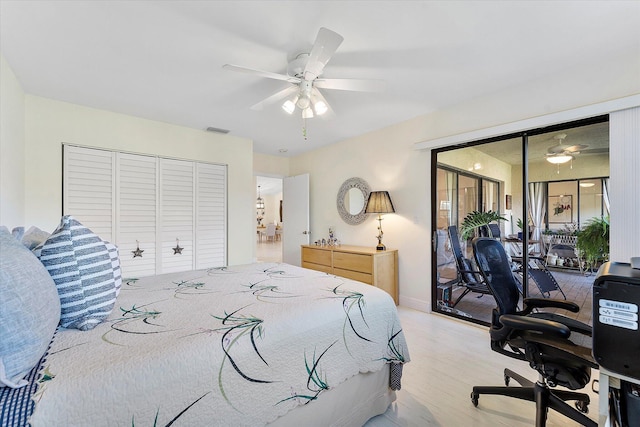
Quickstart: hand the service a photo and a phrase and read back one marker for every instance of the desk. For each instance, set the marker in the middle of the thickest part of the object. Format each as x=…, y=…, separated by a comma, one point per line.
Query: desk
x=608, y=379
x=514, y=246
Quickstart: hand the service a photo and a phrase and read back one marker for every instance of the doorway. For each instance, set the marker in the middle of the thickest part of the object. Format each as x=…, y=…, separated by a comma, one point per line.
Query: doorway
x=269, y=217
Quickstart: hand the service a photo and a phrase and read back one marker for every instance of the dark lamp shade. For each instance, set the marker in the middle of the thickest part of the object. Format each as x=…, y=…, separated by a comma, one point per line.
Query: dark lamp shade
x=379, y=202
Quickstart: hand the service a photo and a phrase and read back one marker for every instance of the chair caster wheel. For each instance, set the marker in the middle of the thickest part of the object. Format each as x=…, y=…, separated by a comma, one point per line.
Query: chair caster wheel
x=474, y=399
x=506, y=380
x=582, y=406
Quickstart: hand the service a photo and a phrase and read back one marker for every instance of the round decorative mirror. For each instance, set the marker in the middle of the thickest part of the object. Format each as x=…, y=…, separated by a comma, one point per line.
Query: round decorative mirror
x=352, y=200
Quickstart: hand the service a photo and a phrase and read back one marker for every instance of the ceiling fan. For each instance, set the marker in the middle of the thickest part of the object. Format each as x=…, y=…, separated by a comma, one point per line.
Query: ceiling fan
x=304, y=73
x=562, y=153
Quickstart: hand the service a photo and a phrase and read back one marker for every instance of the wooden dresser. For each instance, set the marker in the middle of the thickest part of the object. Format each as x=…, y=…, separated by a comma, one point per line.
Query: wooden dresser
x=377, y=268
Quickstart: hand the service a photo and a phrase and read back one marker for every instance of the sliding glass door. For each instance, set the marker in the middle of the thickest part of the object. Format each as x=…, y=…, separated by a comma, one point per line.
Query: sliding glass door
x=539, y=183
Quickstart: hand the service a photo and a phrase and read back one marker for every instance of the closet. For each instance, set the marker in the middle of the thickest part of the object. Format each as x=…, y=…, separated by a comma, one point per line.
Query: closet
x=165, y=215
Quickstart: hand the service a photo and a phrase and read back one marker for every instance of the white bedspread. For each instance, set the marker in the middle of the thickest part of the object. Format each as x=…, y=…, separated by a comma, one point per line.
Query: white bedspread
x=237, y=346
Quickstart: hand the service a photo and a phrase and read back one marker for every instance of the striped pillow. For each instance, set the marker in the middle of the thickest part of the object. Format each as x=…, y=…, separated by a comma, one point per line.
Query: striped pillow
x=82, y=268
x=115, y=264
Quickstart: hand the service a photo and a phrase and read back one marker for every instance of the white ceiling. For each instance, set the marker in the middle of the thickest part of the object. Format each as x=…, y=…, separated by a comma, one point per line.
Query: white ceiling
x=162, y=60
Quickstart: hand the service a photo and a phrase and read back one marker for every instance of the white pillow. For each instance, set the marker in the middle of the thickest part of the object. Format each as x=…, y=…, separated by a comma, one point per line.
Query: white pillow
x=83, y=270
x=29, y=310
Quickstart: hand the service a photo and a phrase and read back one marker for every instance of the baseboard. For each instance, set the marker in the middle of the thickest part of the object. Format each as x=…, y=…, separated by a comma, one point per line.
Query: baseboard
x=416, y=304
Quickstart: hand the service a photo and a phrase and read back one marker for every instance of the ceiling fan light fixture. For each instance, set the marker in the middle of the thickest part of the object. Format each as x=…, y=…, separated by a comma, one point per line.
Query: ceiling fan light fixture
x=303, y=101
x=559, y=159
x=307, y=113
x=320, y=108
x=289, y=106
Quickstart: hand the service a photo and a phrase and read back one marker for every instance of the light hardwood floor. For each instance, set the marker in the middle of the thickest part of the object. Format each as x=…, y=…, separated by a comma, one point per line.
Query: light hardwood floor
x=269, y=251
x=576, y=286
x=449, y=357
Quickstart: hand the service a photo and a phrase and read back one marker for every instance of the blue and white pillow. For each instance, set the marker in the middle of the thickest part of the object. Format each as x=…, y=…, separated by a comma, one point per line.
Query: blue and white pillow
x=32, y=237
x=29, y=310
x=115, y=264
x=81, y=266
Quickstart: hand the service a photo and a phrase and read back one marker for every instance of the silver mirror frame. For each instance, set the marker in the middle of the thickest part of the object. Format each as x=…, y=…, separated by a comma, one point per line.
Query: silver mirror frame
x=350, y=183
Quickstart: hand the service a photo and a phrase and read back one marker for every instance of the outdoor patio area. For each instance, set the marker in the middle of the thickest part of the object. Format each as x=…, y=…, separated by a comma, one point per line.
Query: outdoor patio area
x=576, y=286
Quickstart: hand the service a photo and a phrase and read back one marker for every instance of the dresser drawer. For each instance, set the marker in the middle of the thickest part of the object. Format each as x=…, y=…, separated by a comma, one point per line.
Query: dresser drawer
x=361, y=263
x=354, y=275
x=317, y=267
x=316, y=256
x=355, y=262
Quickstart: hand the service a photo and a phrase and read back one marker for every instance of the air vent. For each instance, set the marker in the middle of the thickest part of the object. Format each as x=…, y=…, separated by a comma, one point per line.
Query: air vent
x=217, y=130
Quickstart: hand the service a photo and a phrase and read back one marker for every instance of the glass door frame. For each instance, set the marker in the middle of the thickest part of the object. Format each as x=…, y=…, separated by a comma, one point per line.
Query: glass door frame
x=480, y=196
x=524, y=136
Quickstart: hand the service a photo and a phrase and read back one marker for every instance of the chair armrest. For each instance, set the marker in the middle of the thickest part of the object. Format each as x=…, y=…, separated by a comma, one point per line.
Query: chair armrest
x=523, y=323
x=531, y=303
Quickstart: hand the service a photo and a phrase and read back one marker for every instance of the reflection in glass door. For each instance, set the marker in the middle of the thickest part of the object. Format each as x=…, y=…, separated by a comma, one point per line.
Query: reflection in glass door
x=467, y=180
x=467, y=196
x=535, y=199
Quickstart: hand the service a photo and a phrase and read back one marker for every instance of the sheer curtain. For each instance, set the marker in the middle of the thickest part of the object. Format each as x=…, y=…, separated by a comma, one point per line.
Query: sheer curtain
x=605, y=195
x=537, y=208
x=451, y=192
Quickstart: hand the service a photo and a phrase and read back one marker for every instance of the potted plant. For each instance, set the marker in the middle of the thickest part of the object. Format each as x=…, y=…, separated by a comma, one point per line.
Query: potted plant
x=477, y=219
x=520, y=226
x=593, y=242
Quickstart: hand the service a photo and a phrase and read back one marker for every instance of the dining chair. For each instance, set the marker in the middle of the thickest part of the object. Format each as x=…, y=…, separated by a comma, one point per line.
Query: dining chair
x=270, y=232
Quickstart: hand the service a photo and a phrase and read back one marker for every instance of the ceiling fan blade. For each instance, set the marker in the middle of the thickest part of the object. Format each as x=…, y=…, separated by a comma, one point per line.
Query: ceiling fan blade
x=576, y=148
x=326, y=43
x=274, y=98
x=556, y=149
x=360, y=85
x=261, y=73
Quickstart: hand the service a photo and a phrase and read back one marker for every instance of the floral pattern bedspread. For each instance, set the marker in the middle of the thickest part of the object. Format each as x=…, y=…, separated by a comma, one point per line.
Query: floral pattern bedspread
x=228, y=346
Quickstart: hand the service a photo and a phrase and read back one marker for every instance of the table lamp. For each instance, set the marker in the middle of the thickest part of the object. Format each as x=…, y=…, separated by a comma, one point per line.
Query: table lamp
x=379, y=202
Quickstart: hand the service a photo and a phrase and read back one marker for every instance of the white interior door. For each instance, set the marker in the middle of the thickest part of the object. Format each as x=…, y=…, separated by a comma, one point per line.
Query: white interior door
x=295, y=217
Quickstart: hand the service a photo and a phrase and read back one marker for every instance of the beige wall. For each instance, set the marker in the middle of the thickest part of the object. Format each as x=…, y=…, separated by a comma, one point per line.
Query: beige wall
x=388, y=160
x=266, y=165
x=12, y=160
x=583, y=167
x=385, y=158
x=51, y=123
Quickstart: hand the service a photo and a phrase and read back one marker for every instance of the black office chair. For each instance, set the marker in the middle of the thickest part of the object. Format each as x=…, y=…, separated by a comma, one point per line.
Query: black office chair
x=545, y=344
x=467, y=275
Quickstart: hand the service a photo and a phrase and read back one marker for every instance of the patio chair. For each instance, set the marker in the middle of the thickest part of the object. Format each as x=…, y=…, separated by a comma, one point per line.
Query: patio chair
x=493, y=228
x=467, y=275
x=540, y=275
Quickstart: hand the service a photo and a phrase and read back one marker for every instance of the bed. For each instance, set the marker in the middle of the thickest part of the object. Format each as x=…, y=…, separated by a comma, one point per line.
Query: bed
x=252, y=345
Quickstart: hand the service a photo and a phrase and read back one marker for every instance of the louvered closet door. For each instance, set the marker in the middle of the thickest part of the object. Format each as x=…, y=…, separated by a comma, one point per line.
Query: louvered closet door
x=164, y=215
x=137, y=206
x=176, y=215
x=211, y=215
x=89, y=188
